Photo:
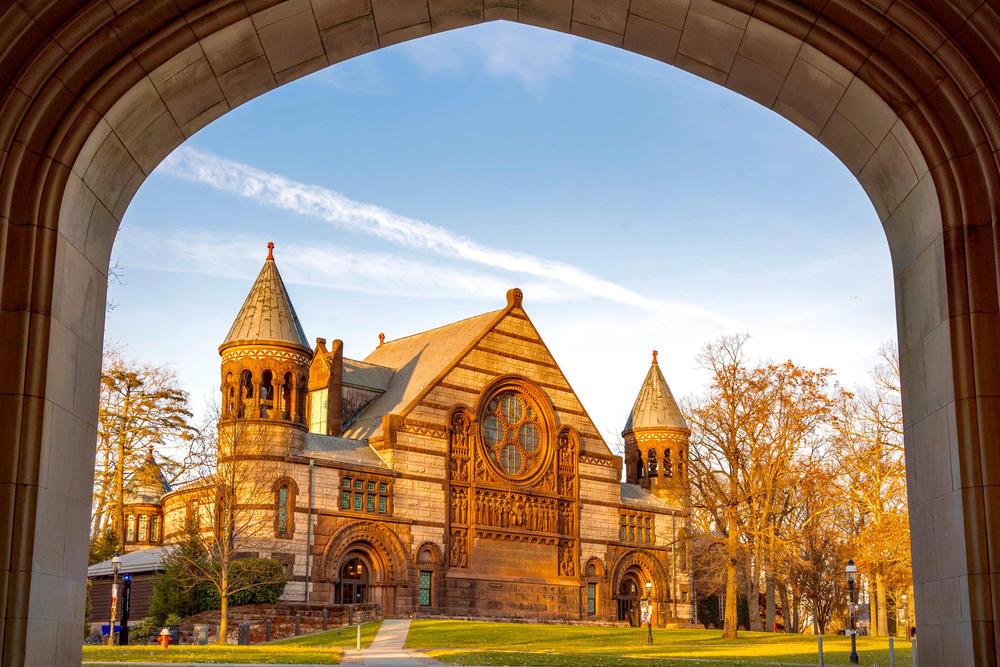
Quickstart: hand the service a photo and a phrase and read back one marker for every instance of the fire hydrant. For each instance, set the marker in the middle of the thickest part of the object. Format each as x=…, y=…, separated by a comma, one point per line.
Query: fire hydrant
x=164, y=639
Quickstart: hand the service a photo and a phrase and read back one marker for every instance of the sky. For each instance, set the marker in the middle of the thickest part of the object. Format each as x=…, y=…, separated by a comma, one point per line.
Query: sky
x=637, y=206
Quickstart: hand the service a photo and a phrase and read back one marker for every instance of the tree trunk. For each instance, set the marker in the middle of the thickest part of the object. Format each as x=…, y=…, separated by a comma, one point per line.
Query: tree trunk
x=730, y=621
x=786, y=608
x=753, y=597
x=223, y=615
x=769, y=609
x=882, y=623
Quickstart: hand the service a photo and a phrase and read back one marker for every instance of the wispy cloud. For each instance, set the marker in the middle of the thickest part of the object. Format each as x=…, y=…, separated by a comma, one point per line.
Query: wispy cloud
x=501, y=49
x=319, y=264
x=333, y=207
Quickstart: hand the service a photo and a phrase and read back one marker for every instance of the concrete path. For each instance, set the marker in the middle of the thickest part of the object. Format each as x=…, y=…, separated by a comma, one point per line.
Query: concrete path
x=386, y=650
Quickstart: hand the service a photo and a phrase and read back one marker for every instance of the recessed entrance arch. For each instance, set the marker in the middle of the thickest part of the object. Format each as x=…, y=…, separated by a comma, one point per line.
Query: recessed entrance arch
x=94, y=94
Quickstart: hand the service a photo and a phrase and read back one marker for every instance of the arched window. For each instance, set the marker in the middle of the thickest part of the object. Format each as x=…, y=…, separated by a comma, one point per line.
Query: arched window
x=266, y=394
x=668, y=465
x=286, y=397
x=284, y=508
x=653, y=467
x=246, y=393
x=228, y=396
x=130, y=528
x=639, y=471
x=300, y=400
x=680, y=463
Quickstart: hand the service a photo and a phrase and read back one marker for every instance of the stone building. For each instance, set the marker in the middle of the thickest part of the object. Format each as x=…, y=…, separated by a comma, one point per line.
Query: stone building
x=453, y=471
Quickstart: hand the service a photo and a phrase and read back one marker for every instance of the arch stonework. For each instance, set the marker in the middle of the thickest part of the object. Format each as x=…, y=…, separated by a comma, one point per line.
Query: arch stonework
x=94, y=94
x=380, y=544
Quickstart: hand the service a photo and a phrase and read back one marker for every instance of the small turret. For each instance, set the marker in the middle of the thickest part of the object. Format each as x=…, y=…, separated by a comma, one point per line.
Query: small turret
x=656, y=439
x=265, y=358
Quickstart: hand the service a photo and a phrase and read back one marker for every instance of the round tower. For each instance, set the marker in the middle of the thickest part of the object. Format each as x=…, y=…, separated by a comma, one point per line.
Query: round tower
x=265, y=367
x=143, y=514
x=656, y=440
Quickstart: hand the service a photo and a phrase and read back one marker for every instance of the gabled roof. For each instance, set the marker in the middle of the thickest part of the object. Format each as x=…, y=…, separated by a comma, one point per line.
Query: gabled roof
x=134, y=562
x=267, y=314
x=417, y=360
x=655, y=406
x=365, y=375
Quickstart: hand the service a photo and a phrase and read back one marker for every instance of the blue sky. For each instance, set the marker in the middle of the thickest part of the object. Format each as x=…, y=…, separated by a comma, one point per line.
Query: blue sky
x=638, y=207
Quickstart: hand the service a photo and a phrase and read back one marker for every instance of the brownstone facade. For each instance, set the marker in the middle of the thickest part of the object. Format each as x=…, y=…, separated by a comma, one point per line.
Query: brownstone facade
x=451, y=472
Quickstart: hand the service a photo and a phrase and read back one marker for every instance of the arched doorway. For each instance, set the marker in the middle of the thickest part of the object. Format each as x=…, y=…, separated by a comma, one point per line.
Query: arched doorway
x=363, y=563
x=630, y=592
x=351, y=585
x=93, y=96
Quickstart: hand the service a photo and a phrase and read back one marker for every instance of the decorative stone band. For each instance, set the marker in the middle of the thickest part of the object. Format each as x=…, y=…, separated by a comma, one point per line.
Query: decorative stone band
x=656, y=436
x=597, y=461
x=242, y=353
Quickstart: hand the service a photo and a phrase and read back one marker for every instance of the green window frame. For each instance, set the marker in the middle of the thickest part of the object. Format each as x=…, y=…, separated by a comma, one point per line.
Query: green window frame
x=370, y=503
x=345, y=500
x=425, y=588
x=358, y=499
x=591, y=598
x=359, y=485
x=346, y=482
x=383, y=487
x=382, y=504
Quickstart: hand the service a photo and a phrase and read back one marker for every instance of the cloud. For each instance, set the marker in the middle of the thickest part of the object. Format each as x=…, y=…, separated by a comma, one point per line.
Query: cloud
x=332, y=207
x=501, y=49
x=319, y=264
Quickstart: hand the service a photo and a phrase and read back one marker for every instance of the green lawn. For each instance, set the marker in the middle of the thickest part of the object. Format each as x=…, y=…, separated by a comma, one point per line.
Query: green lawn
x=478, y=643
x=321, y=648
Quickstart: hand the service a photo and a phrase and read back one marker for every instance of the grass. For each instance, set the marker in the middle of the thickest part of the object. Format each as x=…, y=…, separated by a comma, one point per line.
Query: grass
x=321, y=648
x=480, y=643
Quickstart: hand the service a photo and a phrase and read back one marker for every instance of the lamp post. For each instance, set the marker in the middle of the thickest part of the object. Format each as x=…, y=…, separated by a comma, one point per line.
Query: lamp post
x=851, y=571
x=116, y=563
x=649, y=611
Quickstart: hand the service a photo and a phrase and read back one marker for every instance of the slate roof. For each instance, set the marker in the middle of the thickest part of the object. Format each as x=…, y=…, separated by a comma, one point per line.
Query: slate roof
x=655, y=406
x=636, y=496
x=267, y=314
x=365, y=375
x=344, y=450
x=133, y=562
x=416, y=361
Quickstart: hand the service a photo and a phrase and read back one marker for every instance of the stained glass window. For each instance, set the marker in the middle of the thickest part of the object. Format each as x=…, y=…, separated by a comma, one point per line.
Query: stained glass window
x=130, y=528
x=425, y=589
x=345, y=500
x=143, y=527
x=283, y=510
x=591, y=598
x=512, y=434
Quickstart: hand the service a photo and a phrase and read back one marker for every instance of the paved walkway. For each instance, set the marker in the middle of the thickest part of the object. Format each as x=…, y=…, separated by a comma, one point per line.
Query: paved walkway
x=386, y=650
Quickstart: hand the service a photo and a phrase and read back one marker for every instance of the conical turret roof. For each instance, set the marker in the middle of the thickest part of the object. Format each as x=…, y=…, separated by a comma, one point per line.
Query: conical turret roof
x=267, y=314
x=148, y=483
x=655, y=406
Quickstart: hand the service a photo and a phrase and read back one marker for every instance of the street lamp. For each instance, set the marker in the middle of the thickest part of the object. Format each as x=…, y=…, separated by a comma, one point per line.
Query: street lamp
x=649, y=610
x=852, y=571
x=116, y=563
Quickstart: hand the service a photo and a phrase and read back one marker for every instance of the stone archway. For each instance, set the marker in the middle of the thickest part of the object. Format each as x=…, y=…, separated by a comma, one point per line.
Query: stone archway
x=384, y=563
x=631, y=572
x=94, y=94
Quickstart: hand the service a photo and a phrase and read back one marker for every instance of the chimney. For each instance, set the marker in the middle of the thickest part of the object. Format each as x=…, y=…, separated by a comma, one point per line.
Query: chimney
x=335, y=390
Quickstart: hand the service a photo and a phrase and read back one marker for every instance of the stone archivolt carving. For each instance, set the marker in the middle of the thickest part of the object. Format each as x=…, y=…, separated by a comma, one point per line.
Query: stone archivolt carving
x=567, y=558
x=378, y=542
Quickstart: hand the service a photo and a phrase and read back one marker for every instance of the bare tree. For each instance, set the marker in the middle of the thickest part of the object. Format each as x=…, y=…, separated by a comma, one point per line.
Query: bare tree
x=233, y=494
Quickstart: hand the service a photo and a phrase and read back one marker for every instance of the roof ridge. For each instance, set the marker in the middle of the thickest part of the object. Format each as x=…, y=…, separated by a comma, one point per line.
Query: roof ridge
x=440, y=326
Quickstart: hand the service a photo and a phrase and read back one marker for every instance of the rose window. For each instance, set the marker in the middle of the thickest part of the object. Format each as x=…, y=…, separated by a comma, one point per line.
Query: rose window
x=512, y=433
